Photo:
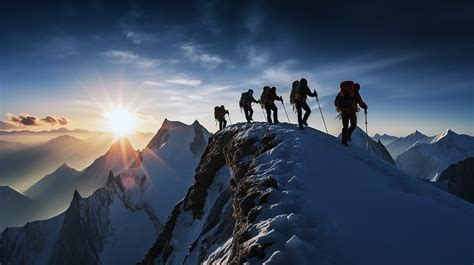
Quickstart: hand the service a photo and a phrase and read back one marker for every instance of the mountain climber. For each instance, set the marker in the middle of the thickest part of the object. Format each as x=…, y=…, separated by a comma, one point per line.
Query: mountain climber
x=219, y=115
x=346, y=102
x=268, y=98
x=246, y=100
x=299, y=92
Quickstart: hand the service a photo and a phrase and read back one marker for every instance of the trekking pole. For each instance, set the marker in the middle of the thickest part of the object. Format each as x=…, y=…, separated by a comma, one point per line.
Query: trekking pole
x=230, y=120
x=322, y=116
x=286, y=112
x=366, y=130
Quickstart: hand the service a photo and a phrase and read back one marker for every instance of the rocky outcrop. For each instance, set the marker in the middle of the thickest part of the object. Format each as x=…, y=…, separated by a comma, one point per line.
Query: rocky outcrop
x=223, y=218
x=460, y=179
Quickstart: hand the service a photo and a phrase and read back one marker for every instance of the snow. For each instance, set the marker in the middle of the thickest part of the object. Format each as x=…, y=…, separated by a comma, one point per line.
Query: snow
x=131, y=234
x=169, y=166
x=403, y=144
x=336, y=205
x=190, y=229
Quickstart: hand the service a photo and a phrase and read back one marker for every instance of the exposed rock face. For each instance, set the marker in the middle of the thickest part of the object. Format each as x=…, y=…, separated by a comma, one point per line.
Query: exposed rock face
x=221, y=217
x=460, y=178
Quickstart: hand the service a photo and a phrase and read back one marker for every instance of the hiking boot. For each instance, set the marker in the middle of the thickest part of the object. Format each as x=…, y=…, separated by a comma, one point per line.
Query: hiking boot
x=305, y=123
x=276, y=122
x=345, y=143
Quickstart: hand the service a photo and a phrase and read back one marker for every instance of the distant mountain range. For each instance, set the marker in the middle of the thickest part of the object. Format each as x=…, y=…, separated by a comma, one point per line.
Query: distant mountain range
x=22, y=167
x=123, y=216
x=385, y=139
x=429, y=157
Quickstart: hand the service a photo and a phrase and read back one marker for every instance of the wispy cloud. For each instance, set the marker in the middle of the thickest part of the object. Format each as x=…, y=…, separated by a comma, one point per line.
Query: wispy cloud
x=139, y=37
x=196, y=54
x=130, y=57
x=184, y=81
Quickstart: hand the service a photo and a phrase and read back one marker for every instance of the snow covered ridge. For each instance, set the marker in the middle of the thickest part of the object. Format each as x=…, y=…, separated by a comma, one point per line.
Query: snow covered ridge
x=275, y=195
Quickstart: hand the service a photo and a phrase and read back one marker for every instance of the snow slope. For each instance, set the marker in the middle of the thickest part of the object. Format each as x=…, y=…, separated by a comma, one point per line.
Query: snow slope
x=273, y=195
x=169, y=162
x=429, y=160
x=374, y=148
x=401, y=145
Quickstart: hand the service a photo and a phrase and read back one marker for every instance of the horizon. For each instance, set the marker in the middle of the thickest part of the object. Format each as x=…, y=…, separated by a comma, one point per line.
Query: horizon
x=166, y=60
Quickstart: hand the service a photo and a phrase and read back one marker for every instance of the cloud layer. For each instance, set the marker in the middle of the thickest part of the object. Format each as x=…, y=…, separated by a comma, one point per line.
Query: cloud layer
x=26, y=120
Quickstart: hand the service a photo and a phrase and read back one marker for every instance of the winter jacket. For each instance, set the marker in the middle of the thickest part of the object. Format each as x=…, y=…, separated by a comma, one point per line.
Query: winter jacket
x=247, y=100
x=272, y=96
x=349, y=103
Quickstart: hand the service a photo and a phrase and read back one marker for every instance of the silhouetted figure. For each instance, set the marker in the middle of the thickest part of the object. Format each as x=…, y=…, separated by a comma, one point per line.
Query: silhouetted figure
x=246, y=100
x=299, y=93
x=346, y=102
x=219, y=115
x=268, y=100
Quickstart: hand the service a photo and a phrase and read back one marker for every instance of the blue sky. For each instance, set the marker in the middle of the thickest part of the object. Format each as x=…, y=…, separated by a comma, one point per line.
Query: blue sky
x=179, y=59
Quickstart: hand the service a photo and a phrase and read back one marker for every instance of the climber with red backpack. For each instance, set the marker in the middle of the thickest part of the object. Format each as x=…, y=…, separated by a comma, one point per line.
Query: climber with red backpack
x=299, y=92
x=245, y=103
x=347, y=103
x=268, y=98
x=219, y=115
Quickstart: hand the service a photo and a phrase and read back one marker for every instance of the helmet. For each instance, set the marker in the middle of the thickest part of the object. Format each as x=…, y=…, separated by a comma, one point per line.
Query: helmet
x=250, y=91
x=274, y=88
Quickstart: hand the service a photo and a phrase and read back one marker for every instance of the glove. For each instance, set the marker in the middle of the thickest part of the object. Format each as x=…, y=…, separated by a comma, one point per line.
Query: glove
x=316, y=93
x=281, y=98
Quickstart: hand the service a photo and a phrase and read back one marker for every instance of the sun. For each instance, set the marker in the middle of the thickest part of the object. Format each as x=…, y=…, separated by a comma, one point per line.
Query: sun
x=120, y=121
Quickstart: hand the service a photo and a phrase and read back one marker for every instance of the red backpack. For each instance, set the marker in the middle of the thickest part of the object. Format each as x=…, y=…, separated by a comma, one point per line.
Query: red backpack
x=347, y=89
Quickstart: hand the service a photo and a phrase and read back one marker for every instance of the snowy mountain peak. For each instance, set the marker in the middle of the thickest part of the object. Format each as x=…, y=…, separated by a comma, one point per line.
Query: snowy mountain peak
x=448, y=133
x=122, y=145
x=174, y=134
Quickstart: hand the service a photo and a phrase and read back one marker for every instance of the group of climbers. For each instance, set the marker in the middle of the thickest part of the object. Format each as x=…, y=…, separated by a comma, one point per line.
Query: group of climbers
x=347, y=103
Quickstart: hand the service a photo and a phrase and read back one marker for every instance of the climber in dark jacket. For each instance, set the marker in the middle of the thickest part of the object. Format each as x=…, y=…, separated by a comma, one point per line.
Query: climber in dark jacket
x=347, y=103
x=245, y=103
x=219, y=115
x=270, y=105
x=301, y=104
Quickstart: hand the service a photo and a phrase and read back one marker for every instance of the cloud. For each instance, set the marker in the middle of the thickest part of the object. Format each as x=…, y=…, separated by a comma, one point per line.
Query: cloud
x=152, y=83
x=139, y=37
x=130, y=57
x=196, y=54
x=145, y=117
x=4, y=125
x=184, y=81
x=26, y=119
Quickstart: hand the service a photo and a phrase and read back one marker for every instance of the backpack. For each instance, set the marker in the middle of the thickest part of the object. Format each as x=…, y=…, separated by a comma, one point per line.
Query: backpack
x=297, y=94
x=347, y=89
x=217, y=112
x=244, y=100
x=264, y=96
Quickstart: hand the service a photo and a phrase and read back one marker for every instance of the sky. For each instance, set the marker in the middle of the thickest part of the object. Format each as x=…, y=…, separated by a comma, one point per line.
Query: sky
x=67, y=63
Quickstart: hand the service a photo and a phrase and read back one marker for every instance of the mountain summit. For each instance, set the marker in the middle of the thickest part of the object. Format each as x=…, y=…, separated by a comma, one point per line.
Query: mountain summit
x=274, y=195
